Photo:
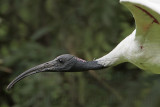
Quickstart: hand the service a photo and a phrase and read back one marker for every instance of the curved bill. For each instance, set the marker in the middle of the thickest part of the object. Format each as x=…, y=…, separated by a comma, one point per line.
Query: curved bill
x=48, y=66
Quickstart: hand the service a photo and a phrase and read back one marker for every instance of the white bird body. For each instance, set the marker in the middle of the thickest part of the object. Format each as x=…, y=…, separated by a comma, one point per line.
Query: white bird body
x=142, y=47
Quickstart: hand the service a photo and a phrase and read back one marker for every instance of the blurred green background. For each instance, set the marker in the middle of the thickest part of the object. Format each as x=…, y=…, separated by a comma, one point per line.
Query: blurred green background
x=36, y=31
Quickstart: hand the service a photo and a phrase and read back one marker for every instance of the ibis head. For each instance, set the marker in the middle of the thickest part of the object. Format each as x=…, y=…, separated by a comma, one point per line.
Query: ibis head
x=63, y=63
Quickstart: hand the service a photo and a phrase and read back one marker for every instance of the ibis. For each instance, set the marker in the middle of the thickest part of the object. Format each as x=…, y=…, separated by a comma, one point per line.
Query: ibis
x=141, y=47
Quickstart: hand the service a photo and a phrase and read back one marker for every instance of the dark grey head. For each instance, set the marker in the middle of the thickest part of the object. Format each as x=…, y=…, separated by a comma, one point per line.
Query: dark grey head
x=63, y=63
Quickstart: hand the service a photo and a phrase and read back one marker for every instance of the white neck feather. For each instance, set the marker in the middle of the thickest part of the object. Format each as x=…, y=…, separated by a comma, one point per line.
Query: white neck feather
x=111, y=59
x=118, y=54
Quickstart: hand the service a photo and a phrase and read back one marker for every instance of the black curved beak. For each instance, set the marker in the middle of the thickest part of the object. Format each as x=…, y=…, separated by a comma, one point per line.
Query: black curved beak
x=45, y=67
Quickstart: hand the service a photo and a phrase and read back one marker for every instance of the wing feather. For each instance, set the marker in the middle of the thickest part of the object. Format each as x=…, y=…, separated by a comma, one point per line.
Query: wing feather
x=147, y=18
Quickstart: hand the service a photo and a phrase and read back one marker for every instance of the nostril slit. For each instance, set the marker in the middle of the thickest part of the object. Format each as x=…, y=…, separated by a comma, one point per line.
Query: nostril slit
x=47, y=63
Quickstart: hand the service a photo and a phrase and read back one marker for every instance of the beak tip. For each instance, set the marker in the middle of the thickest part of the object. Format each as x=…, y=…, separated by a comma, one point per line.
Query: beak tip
x=8, y=87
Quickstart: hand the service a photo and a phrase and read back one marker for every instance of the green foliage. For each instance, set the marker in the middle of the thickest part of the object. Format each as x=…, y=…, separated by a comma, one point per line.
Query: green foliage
x=32, y=32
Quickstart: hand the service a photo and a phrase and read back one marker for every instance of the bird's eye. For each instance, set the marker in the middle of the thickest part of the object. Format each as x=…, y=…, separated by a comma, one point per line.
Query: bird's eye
x=60, y=61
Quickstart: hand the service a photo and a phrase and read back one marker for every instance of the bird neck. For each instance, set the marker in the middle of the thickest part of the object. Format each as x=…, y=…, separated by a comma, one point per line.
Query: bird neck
x=87, y=65
x=110, y=60
x=117, y=55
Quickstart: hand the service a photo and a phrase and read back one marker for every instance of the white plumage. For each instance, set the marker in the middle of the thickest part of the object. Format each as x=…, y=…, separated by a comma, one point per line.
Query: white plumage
x=142, y=46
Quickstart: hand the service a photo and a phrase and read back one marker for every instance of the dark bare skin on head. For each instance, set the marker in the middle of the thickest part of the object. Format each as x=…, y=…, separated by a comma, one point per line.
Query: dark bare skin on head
x=63, y=63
